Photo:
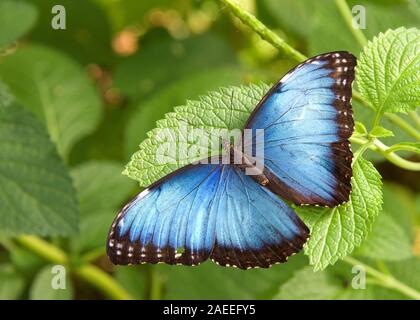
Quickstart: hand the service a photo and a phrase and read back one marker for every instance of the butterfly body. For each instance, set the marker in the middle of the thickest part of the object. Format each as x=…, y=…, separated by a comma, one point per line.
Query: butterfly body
x=218, y=211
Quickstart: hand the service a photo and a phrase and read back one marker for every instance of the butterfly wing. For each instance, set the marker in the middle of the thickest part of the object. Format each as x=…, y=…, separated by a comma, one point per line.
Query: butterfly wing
x=206, y=210
x=254, y=227
x=169, y=222
x=307, y=121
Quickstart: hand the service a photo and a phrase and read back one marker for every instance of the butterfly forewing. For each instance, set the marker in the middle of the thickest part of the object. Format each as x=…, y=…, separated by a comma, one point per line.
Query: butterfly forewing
x=307, y=120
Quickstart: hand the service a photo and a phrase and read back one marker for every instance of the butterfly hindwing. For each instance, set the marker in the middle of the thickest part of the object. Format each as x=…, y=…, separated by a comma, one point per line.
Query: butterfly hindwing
x=254, y=227
x=307, y=121
x=206, y=211
x=169, y=222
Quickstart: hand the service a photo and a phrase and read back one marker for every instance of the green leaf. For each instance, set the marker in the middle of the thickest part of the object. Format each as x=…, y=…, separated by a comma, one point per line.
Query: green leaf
x=209, y=281
x=387, y=241
x=406, y=271
x=228, y=108
x=6, y=97
x=388, y=72
x=36, y=194
x=367, y=115
x=308, y=285
x=102, y=191
x=100, y=186
x=42, y=286
x=11, y=283
x=291, y=11
x=134, y=279
x=56, y=89
x=392, y=234
x=360, y=129
x=399, y=202
x=336, y=232
x=154, y=108
x=17, y=18
x=379, y=132
x=26, y=262
x=338, y=283
x=408, y=146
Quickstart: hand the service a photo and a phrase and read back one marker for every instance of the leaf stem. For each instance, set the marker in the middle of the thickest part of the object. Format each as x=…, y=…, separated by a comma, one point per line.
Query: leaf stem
x=43, y=249
x=345, y=12
x=416, y=118
x=392, y=157
x=402, y=146
x=362, y=149
x=102, y=281
x=91, y=274
x=156, y=285
x=93, y=254
x=377, y=119
x=391, y=117
x=265, y=33
x=385, y=280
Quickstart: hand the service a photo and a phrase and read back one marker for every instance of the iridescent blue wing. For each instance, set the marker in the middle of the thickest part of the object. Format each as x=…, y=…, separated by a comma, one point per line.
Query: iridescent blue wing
x=170, y=221
x=307, y=121
x=206, y=210
x=254, y=227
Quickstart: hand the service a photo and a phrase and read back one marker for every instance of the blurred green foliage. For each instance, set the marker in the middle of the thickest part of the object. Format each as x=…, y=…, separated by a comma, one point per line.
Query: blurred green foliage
x=100, y=85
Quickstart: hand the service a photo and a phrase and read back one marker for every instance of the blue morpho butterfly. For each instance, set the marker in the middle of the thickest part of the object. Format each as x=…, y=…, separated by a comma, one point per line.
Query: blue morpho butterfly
x=217, y=211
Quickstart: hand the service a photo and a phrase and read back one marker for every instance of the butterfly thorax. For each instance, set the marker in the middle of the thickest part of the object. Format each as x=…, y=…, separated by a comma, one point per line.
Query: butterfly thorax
x=245, y=162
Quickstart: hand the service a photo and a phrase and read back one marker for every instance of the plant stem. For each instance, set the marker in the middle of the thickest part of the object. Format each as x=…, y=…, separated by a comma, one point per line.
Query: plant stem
x=43, y=249
x=402, y=146
x=265, y=33
x=377, y=119
x=385, y=280
x=348, y=18
x=91, y=274
x=391, y=117
x=156, y=285
x=93, y=254
x=416, y=118
x=383, y=149
x=361, y=39
x=102, y=281
x=394, y=158
x=272, y=38
x=362, y=149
